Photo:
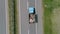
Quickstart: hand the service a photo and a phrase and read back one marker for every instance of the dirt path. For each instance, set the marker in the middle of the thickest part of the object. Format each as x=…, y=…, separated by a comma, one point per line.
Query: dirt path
x=56, y=21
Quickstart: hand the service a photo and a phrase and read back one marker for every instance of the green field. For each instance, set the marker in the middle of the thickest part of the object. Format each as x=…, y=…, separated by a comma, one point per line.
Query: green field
x=51, y=16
